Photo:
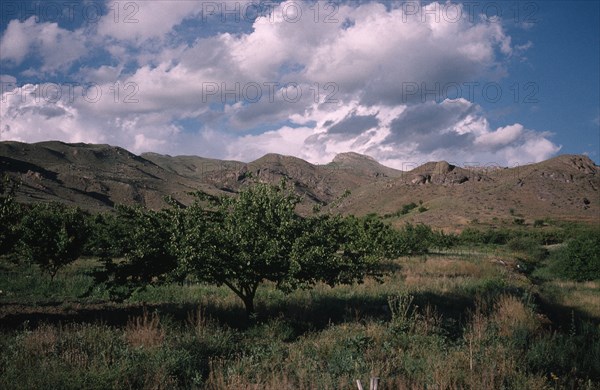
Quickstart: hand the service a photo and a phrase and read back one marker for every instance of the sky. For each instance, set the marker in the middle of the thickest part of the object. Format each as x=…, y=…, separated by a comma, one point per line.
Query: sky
x=473, y=83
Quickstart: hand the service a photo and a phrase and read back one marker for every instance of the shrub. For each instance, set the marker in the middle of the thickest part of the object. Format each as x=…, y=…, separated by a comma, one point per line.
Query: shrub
x=490, y=236
x=519, y=221
x=408, y=207
x=414, y=239
x=579, y=259
x=529, y=246
x=538, y=223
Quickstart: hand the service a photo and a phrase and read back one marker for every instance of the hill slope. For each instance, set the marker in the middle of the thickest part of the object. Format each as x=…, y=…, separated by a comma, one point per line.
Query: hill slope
x=96, y=177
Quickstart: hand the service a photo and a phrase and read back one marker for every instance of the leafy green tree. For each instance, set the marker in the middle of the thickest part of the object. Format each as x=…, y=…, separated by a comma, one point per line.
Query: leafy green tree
x=337, y=250
x=53, y=235
x=441, y=240
x=136, y=247
x=108, y=236
x=242, y=241
x=414, y=239
x=10, y=214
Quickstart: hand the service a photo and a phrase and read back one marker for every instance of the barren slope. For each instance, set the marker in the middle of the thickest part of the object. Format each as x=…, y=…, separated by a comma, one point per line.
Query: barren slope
x=99, y=176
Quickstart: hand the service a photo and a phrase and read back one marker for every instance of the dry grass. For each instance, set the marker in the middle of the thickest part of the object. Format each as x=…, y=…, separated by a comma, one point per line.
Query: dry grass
x=41, y=341
x=583, y=296
x=511, y=315
x=444, y=275
x=145, y=331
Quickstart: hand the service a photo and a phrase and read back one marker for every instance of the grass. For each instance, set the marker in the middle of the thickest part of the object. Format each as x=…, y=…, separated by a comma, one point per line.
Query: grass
x=27, y=283
x=465, y=318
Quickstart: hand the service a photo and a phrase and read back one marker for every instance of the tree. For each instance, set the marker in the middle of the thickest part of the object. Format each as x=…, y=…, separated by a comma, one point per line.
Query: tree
x=241, y=241
x=53, y=235
x=337, y=250
x=10, y=215
x=414, y=239
x=141, y=238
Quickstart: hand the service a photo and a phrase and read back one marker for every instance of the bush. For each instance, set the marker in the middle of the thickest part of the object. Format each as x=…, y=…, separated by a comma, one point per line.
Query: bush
x=414, y=239
x=579, y=259
x=529, y=246
x=408, y=207
x=538, y=223
x=490, y=236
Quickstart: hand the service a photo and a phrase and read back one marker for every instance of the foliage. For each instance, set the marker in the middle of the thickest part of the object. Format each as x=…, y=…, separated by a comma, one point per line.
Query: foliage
x=53, y=235
x=519, y=221
x=538, y=223
x=414, y=239
x=406, y=208
x=490, y=236
x=450, y=321
x=240, y=242
x=338, y=250
x=10, y=215
x=529, y=246
x=108, y=235
x=143, y=238
x=579, y=259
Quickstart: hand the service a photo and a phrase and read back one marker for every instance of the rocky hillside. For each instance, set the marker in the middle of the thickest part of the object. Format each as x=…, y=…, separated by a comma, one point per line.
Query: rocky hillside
x=97, y=177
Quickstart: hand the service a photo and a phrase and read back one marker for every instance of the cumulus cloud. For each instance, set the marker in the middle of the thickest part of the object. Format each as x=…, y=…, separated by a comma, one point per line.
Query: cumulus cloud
x=373, y=79
x=57, y=48
x=142, y=20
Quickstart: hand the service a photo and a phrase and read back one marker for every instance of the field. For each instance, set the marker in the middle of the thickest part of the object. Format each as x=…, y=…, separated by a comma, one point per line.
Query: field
x=460, y=318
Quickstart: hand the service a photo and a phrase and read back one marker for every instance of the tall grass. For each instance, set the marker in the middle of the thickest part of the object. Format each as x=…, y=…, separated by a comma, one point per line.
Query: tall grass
x=441, y=321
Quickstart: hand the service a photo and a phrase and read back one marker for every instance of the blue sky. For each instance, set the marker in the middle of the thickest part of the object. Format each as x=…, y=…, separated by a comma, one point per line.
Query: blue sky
x=470, y=82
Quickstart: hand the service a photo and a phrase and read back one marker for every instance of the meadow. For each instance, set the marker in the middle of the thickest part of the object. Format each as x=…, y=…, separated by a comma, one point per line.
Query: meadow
x=465, y=317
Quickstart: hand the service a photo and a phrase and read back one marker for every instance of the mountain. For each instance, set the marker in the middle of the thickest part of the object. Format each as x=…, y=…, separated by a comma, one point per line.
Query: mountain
x=96, y=177
x=562, y=188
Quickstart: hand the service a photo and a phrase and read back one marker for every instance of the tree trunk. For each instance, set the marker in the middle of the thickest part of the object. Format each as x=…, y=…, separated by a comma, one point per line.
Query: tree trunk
x=249, y=304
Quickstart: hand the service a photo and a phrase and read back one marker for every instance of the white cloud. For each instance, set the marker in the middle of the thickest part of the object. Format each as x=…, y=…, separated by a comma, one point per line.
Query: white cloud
x=56, y=47
x=500, y=137
x=16, y=42
x=141, y=20
x=370, y=54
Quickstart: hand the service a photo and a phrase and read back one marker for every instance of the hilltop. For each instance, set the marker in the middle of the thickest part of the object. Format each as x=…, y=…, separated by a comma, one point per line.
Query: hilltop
x=96, y=177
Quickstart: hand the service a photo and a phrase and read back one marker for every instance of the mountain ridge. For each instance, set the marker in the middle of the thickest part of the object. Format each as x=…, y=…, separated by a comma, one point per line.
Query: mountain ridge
x=98, y=176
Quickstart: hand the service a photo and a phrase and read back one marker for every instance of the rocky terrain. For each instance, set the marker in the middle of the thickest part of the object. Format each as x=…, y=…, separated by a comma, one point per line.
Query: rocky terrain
x=96, y=177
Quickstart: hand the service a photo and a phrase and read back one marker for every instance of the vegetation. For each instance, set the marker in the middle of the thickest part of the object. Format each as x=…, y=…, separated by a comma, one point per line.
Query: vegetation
x=141, y=241
x=406, y=208
x=52, y=236
x=9, y=215
x=241, y=292
x=257, y=236
x=579, y=259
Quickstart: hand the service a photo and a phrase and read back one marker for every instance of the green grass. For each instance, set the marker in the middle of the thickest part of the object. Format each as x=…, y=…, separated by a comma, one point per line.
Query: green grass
x=26, y=283
x=455, y=319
